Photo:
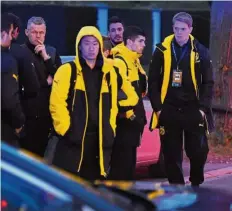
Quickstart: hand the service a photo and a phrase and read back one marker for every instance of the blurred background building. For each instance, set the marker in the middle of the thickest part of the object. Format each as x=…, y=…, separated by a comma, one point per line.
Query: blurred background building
x=64, y=19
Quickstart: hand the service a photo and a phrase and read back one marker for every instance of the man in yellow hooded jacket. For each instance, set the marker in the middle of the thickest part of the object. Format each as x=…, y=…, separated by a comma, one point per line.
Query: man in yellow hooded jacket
x=130, y=120
x=87, y=122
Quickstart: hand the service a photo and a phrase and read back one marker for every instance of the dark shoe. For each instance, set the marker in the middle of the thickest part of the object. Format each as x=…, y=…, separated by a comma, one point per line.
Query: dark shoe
x=195, y=185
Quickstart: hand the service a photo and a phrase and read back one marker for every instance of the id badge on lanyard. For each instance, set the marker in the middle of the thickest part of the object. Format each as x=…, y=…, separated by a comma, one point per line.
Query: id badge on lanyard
x=177, y=75
x=177, y=78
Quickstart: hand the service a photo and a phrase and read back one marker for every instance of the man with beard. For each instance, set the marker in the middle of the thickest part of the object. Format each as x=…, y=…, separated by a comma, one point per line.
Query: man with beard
x=116, y=29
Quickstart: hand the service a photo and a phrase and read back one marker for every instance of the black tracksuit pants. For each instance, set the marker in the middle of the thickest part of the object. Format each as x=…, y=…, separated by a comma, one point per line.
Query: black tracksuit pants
x=8, y=135
x=178, y=124
x=123, y=159
x=67, y=154
x=36, y=134
x=123, y=162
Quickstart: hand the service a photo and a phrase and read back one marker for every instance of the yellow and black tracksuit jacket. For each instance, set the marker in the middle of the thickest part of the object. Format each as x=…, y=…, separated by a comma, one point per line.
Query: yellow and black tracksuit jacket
x=131, y=69
x=127, y=97
x=74, y=121
x=201, y=74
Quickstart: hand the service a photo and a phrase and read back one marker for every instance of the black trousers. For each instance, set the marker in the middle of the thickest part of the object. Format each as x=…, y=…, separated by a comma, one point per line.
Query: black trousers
x=8, y=135
x=123, y=163
x=36, y=135
x=67, y=157
x=123, y=159
x=178, y=125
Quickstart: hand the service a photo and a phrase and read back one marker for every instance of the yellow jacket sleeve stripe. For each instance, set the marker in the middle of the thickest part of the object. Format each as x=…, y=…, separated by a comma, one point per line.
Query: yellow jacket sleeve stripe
x=58, y=104
x=114, y=108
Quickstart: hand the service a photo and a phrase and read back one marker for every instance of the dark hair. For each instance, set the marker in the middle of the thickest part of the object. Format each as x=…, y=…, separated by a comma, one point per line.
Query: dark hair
x=6, y=23
x=15, y=20
x=132, y=32
x=106, y=43
x=114, y=19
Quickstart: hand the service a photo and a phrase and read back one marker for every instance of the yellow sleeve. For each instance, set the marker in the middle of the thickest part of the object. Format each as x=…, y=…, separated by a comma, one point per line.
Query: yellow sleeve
x=58, y=105
x=127, y=88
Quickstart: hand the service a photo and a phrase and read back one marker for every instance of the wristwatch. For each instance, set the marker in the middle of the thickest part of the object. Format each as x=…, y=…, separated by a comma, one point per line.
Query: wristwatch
x=132, y=117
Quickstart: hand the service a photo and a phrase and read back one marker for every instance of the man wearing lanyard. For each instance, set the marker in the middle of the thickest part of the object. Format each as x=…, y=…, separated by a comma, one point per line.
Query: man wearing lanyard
x=180, y=88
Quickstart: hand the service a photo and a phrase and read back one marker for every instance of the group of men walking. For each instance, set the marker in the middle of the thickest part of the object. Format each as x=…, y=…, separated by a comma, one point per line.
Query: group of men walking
x=94, y=104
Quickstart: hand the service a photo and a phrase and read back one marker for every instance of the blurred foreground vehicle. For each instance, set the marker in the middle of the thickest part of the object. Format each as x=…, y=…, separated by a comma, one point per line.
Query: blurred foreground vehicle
x=30, y=185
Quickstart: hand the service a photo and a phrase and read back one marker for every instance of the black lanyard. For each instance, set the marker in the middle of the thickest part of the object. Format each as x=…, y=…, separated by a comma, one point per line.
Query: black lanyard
x=182, y=55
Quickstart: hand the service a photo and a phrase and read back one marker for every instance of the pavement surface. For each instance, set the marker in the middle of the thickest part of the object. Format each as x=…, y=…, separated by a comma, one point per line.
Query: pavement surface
x=217, y=176
x=222, y=182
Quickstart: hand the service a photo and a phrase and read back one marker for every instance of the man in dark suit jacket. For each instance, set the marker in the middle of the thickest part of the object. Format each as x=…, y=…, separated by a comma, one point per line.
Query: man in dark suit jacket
x=46, y=61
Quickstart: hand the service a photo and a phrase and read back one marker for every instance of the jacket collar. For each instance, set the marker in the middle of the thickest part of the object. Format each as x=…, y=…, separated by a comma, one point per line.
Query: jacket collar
x=167, y=41
x=29, y=45
x=125, y=52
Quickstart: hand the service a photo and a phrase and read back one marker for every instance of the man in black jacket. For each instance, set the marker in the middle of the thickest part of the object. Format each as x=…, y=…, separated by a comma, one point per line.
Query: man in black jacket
x=12, y=117
x=46, y=62
x=28, y=82
x=180, y=88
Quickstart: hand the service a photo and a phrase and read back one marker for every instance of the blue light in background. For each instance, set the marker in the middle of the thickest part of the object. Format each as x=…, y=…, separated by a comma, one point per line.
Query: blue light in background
x=156, y=27
x=102, y=18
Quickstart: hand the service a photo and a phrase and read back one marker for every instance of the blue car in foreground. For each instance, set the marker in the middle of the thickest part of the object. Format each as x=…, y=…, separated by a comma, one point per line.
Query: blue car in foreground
x=28, y=184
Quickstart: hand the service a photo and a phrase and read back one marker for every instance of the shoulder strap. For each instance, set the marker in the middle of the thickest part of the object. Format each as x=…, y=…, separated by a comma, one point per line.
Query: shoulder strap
x=121, y=58
x=108, y=79
x=72, y=83
x=119, y=77
x=160, y=47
